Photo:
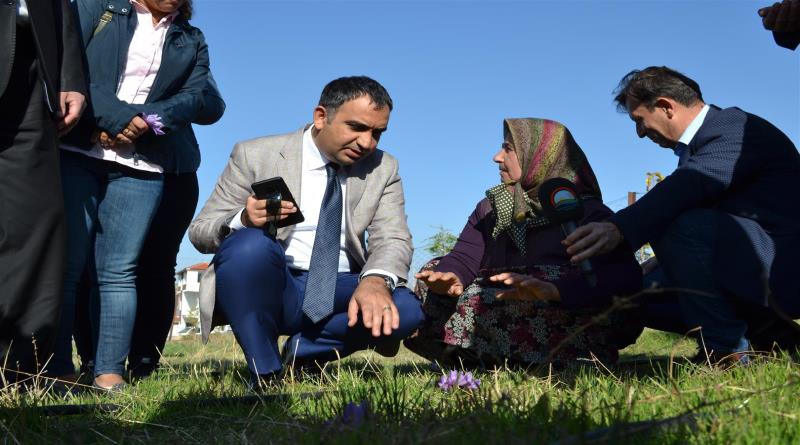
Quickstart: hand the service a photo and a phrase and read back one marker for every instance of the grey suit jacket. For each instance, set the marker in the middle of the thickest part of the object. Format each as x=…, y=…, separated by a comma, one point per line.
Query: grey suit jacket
x=375, y=206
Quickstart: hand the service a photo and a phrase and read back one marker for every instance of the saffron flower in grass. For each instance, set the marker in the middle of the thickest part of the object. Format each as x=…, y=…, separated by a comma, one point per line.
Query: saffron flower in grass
x=154, y=121
x=353, y=416
x=455, y=379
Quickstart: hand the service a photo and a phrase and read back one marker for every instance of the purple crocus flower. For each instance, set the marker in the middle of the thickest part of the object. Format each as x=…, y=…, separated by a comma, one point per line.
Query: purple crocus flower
x=154, y=121
x=457, y=379
x=354, y=415
x=448, y=381
x=466, y=381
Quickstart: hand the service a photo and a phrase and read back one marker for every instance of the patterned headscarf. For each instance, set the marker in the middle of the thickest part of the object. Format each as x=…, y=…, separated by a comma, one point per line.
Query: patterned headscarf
x=545, y=150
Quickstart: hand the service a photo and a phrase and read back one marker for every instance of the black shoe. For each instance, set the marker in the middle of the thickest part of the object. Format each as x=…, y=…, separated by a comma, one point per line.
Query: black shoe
x=388, y=349
x=142, y=368
x=775, y=333
x=63, y=389
x=299, y=367
x=722, y=360
x=116, y=388
x=263, y=383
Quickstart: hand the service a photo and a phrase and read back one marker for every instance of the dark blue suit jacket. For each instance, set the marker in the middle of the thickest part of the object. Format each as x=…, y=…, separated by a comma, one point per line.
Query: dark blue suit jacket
x=746, y=168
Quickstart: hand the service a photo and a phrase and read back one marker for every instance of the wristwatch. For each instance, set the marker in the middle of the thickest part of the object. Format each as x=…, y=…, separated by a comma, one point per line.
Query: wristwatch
x=387, y=280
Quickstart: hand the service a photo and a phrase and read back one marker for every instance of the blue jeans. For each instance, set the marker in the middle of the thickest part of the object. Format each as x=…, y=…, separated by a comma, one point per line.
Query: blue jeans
x=262, y=299
x=109, y=208
x=685, y=254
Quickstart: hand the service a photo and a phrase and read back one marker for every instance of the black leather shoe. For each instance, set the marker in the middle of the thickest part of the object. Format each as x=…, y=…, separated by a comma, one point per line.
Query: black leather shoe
x=263, y=383
x=299, y=366
x=388, y=349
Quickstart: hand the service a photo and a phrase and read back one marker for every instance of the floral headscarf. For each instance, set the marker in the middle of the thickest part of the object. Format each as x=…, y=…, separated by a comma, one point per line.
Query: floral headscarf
x=545, y=150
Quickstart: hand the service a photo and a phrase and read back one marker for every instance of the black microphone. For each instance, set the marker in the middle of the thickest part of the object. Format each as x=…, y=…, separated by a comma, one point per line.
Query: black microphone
x=561, y=204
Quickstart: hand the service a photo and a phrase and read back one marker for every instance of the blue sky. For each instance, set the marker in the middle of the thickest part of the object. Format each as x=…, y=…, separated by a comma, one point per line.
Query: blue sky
x=455, y=69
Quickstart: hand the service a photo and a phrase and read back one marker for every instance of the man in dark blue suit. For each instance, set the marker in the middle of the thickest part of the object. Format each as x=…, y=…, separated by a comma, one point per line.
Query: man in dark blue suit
x=724, y=225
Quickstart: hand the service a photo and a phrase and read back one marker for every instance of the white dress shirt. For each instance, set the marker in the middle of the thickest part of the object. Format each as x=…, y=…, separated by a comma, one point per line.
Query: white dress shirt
x=300, y=242
x=694, y=126
x=141, y=68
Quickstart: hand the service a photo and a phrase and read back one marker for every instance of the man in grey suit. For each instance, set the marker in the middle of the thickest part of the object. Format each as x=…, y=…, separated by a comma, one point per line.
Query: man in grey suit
x=319, y=281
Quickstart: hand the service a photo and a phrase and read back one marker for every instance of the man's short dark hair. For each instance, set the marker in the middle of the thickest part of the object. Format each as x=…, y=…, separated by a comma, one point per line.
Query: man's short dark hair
x=644, y=87
x=345, y=89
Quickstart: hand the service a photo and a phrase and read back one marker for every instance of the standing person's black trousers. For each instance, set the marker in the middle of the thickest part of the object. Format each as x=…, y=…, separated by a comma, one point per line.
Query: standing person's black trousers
x=155, y=283
x=32, y=231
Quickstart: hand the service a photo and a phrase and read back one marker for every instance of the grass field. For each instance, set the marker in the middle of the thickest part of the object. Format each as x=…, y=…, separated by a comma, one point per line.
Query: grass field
x=648, y=398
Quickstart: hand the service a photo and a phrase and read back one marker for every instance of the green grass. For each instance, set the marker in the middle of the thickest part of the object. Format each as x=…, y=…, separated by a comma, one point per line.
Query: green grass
x=631, y=402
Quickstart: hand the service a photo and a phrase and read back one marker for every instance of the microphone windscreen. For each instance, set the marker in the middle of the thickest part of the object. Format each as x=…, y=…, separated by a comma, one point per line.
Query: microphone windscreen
x=560, y=202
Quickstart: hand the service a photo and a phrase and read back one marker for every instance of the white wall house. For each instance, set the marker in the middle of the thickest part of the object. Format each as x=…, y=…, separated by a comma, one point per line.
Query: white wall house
x=187, y=292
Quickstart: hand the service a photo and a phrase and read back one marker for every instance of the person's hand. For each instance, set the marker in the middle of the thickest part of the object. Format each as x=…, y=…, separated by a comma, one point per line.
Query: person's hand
x=649, y=265
x=374, y=301
x=72, y=104
x=591, y=240
x=136, y=127
x=781, y=17
x=441, y=283
x=525, y=287
x=256, y=213
x=105, y=140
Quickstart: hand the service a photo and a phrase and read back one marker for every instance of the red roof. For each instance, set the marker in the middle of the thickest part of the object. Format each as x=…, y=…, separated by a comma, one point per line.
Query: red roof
x=198, y=266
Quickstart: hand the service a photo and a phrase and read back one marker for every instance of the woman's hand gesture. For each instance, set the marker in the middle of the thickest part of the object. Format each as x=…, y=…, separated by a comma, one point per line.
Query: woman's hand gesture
x=442, y=283
x=525, y=287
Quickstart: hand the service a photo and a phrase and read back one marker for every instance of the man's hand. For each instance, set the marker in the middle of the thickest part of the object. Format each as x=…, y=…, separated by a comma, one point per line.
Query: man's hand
x=374, y=301
x=782, y=17
x=441, y=283
x=257, y=215
x=526, y=287
x=72, y=105
x=650, y=265
x=136, y=127
x=591, y=240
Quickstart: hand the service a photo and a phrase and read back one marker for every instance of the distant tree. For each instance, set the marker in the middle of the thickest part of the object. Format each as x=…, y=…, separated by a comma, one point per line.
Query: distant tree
x=441, y=243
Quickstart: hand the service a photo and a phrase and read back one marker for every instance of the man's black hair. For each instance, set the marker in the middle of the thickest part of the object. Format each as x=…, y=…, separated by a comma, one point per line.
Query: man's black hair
x=644, y=87
x=344, y=89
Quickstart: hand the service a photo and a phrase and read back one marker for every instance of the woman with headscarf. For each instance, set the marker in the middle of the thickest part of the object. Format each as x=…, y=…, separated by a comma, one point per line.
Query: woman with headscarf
x=507, y=293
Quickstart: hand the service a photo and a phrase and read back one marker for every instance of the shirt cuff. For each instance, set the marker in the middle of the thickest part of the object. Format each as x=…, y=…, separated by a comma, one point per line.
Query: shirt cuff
x=236, y=222
x=386, y=273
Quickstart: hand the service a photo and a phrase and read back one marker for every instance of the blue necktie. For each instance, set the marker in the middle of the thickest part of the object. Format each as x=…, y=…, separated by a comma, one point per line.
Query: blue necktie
x=321, y=283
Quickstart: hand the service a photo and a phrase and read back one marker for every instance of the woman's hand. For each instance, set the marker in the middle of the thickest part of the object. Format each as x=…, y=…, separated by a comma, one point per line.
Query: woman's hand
x=442, y=283
x=136, y=127
x=526, y=287
x=105, y=140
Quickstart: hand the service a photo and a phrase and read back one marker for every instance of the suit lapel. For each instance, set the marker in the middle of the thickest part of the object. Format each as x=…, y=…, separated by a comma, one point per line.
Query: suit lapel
x=355, y=189
x=289, y=165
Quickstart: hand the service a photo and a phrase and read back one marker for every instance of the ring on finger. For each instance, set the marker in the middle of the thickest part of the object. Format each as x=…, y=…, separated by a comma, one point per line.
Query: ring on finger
x=387, y=308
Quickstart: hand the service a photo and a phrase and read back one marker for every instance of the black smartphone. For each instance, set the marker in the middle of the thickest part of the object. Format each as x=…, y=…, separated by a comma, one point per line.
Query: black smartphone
x=275, y=188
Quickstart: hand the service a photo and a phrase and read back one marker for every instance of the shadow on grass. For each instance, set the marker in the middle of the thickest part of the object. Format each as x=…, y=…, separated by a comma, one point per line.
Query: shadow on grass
x=396, y=409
